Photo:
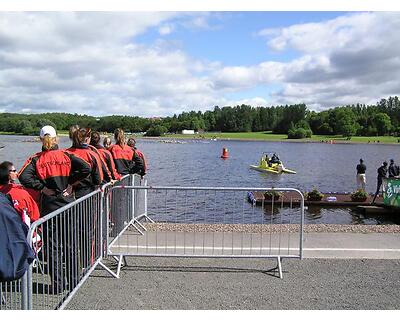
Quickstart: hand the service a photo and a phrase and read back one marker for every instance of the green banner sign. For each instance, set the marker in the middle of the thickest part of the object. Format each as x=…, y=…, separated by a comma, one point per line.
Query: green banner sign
x=391, y=195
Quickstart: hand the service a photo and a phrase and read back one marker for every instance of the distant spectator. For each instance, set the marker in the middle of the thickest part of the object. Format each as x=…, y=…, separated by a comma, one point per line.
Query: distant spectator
x=382, y=173
x=361, y=179
x=23, y=202
x=394, y=170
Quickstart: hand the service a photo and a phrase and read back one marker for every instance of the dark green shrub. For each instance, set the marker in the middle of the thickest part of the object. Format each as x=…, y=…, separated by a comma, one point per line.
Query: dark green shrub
x=359, y=196
x=314, y=195
x=272, y=194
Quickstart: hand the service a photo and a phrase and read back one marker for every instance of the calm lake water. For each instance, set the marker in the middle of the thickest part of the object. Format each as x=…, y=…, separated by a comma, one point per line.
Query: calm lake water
x=329, y=167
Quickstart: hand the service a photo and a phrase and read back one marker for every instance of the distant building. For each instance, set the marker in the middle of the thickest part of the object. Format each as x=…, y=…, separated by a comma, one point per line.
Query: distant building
x=187, y=131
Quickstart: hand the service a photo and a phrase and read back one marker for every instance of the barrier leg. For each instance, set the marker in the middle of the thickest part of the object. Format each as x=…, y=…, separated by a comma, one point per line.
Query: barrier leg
x=115, y=275
x=280, y=267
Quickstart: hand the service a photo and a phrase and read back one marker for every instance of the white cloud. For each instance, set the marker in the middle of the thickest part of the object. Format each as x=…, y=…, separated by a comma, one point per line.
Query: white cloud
x=350, y=59
x=165, y=29
x=90, y=63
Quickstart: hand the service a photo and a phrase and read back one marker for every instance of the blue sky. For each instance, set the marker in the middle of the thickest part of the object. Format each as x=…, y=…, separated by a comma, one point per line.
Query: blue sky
x=232, y=36
x=160, y=63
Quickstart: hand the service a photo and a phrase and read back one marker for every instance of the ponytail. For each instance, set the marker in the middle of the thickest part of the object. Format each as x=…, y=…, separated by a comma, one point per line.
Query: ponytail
x=48, y=142
x=119, y=137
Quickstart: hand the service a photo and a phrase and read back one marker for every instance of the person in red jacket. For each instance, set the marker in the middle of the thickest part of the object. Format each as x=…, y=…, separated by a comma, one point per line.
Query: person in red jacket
x=105, y=154
x=54, y=172
x=125, y=159
x=80, y=148
x=132, y=143
x=23, y=202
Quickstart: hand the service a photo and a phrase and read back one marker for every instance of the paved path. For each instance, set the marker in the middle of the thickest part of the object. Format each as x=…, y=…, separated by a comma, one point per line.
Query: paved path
x=352, y=245
x=344, y=279
x=173, y=283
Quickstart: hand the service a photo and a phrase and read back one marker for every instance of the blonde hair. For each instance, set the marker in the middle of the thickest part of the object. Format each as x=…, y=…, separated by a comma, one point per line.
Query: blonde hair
x=48, y=142
x=119, y=137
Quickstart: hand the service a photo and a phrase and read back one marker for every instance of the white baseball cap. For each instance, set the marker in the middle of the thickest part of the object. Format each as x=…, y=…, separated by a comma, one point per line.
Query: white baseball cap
x=48, y=130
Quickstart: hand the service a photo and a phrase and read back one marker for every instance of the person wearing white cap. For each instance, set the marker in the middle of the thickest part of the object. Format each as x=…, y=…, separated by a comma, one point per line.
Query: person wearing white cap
x=48, y=130
x=53, y=172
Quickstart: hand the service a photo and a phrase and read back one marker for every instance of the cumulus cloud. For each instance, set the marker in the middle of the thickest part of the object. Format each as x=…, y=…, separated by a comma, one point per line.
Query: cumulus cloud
x=353, y=58
x=90, y=63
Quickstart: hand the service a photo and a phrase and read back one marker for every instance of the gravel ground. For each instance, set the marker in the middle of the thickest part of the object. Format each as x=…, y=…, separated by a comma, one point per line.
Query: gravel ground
x=172, y=284
x=257, y=228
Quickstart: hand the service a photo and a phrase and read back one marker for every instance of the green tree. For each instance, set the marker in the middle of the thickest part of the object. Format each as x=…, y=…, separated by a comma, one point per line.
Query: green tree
x=382, y=123
x=156, y=131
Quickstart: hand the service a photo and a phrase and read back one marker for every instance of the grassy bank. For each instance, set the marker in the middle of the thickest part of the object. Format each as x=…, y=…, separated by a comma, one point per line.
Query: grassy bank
x=269, y=136
x=264, y=136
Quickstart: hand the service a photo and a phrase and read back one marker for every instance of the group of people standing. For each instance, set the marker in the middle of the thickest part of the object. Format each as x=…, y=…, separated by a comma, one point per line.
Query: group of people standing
x=393, y=171
x=55, y=177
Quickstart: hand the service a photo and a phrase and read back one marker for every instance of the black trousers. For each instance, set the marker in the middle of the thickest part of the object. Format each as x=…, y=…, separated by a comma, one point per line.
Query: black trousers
x=378, y=188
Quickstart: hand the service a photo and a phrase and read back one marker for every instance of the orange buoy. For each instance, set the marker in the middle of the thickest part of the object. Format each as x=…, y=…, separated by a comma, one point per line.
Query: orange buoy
x=225, y=154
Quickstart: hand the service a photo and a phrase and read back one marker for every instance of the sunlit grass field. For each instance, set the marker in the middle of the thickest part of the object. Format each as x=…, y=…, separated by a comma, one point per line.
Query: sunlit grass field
x=269, y=136
x=266, y=136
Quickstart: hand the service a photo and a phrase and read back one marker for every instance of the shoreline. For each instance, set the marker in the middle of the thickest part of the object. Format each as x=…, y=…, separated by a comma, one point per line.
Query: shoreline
x=196, y=138
x=263, y=140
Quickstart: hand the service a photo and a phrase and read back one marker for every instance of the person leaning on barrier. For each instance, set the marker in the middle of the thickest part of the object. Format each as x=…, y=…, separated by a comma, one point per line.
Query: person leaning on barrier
x=105, y=154
x=361, y=179
x=54, y=172
x=125, y=159
x=382, y=172
x=80, y=149
x=132, y=143
x=394, y=170
x=23, y=202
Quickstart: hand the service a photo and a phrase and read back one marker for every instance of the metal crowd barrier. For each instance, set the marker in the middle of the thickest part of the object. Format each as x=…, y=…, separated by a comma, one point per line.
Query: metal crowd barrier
x=68, y=250
x=204, y=222
x=133, y=219
x=13, y=294
x=69, y=243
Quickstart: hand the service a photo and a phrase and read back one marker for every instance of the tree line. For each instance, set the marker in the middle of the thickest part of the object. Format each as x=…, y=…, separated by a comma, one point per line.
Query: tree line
x=296, y=120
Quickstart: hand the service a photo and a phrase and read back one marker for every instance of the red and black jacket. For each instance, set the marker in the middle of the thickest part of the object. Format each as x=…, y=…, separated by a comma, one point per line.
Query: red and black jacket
x=107, y=176
x=108, y=160
x=141, y=155
x=22, y=200
x=96, y=176
x=126, y=160
x=54, y=169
